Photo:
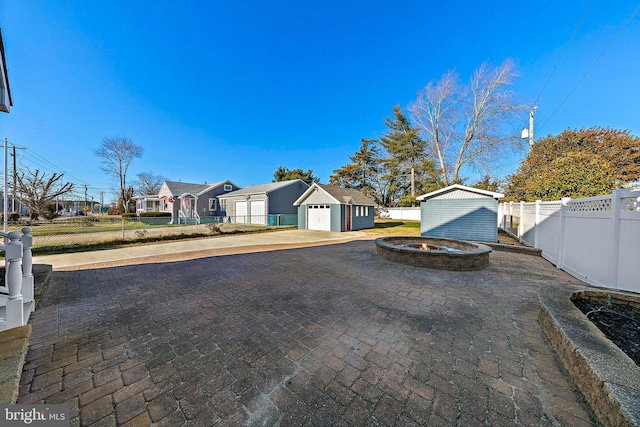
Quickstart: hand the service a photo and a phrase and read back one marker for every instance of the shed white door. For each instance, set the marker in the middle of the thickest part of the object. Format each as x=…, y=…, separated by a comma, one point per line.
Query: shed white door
x=258, y=215
x=319, y=217
x=241, y=212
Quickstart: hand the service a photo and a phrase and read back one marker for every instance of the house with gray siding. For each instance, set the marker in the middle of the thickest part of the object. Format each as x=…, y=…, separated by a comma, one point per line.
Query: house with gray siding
x=460, y=212
x=189, y=203
x=268, y=204
x=331, y=208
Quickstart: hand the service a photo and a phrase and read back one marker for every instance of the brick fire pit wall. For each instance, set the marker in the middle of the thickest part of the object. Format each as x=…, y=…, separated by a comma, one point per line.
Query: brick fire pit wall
x=470, y=256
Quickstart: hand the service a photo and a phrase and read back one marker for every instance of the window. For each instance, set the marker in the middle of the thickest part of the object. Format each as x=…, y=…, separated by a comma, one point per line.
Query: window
x=228, y=187
x=223, y=204
x=212, y=204
x=366, y=211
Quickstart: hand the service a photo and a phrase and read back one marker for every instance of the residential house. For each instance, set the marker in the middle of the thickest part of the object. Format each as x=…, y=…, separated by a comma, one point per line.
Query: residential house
x=189, y=202
x=331, y=208
x=263, y=203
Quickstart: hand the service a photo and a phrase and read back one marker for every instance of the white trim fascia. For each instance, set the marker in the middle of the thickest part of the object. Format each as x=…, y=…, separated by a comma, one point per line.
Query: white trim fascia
x=308, y=192
x=460, y=187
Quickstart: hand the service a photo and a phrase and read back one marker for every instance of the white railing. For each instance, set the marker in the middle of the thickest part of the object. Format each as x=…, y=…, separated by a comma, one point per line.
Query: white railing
x=596, y=239
x=190, y=214
x=17, y=294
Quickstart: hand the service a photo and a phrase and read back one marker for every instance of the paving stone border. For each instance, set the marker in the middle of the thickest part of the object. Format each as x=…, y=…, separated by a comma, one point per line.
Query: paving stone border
x=607, y=378
x=471, y=256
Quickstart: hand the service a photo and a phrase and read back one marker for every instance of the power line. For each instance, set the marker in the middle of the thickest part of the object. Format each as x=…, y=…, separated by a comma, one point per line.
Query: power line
x=594, y=63
x=566, y=48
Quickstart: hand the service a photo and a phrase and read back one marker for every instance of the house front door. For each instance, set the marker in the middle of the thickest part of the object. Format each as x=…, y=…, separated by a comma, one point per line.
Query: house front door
x=348, y=218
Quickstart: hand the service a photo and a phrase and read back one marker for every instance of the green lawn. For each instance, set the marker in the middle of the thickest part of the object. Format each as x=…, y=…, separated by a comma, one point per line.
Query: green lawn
x=395, y=227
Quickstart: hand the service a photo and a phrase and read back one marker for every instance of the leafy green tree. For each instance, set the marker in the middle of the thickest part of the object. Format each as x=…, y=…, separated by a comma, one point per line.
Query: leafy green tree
x=409, y=170
x=576, y=163
x=363, y=172
x=285, y=174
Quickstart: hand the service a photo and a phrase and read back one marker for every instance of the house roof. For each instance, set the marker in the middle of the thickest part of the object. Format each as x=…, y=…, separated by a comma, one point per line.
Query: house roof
x=262, y=188
x=177, y=188
x=457, y=191
x=341, y=195
x=5, y=96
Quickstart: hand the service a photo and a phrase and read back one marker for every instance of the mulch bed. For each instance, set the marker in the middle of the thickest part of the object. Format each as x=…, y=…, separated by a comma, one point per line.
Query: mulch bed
x=619, y=322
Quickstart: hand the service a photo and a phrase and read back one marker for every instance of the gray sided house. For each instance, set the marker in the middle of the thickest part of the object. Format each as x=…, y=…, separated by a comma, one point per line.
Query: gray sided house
x=460, y=212
x=264, y=203
x=189, y=203
x=331, y=208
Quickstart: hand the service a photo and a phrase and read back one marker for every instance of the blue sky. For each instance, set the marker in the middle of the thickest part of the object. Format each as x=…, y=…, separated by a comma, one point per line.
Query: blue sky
x=231, y=90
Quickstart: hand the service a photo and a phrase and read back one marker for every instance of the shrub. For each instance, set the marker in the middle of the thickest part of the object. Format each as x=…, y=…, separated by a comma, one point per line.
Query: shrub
x=129, y=215
x=142, y=234
x=13, y=217
x=214, y=228
x=88, y=221
x=50, y=211
x=155, y=214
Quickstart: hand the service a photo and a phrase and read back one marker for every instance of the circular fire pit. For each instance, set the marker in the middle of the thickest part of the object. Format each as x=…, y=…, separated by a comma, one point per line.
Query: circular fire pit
x=433, y=252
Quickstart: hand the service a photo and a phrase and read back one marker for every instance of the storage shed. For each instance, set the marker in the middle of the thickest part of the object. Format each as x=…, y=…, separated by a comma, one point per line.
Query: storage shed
x=331, y=208
x=460, y=212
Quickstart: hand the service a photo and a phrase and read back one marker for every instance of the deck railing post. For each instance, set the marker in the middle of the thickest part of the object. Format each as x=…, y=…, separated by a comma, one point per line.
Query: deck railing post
x=13, y=255
x=27, y=266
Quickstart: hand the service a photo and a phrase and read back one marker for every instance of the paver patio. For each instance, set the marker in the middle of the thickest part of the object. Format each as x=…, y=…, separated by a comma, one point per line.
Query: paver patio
x=322, y=336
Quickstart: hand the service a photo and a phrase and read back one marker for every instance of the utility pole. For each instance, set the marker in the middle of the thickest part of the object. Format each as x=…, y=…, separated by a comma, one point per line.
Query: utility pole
x=15, y=177
x=85, y=197
x=5, y=214
x=531, y=113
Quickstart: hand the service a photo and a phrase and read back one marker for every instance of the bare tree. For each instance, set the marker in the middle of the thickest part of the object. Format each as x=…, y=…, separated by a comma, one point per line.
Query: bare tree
x=38, y=190
x=117, y=153
x=148, y=183
x=469, y=125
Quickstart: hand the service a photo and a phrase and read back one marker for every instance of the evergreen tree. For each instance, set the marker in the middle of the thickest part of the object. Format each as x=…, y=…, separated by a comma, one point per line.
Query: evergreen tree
x=406, y=151
x=363, y=172
x=286, y=174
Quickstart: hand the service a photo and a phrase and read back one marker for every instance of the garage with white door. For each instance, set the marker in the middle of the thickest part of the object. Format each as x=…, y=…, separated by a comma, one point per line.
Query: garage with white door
x=257, y=212
x=319, y=217
x=331, y=208
x=241, y=212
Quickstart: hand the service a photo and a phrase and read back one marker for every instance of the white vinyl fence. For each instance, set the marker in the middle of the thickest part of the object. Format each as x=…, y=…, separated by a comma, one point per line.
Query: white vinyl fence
x=596, y=239
x=401, y=213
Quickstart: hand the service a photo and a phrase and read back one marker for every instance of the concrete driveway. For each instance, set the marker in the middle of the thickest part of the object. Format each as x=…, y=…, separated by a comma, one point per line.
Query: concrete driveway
x=320, y=336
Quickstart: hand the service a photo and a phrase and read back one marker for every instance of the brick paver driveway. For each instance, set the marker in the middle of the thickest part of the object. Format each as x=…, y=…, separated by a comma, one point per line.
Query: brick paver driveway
x=322, y=336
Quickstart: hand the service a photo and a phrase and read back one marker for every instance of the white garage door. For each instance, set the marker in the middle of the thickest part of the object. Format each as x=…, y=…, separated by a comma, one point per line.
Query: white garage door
x=241, y=212
x=258, y=215
x=319, y=217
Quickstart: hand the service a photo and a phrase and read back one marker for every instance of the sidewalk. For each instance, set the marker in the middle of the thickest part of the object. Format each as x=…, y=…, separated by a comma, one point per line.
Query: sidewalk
x=195, y=248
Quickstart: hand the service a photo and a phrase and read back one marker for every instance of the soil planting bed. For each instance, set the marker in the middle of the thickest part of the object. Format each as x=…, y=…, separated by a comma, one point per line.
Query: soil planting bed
x=619, y=322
